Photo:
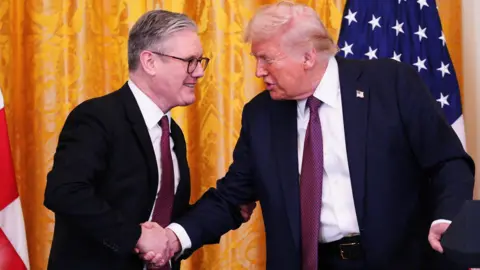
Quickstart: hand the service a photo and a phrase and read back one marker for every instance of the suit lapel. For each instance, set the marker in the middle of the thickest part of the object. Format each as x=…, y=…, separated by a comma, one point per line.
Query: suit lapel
x=182, y=196
x=355, y=99
x=284, y=145
x=141, y=132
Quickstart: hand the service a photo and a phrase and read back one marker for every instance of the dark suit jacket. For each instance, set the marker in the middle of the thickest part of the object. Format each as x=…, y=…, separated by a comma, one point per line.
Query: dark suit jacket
x=103, y=184
x=407, y=169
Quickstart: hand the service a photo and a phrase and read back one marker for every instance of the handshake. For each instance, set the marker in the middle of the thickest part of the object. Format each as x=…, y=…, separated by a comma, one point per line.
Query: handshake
x=157, y=245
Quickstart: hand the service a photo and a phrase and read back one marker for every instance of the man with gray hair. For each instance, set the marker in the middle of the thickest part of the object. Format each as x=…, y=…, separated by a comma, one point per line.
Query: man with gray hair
x=121, y=159
x=353, y=163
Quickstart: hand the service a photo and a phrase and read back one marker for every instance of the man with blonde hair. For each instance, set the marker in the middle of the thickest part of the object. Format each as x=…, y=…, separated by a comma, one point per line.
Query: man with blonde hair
x=121, y=159
x=352, y=162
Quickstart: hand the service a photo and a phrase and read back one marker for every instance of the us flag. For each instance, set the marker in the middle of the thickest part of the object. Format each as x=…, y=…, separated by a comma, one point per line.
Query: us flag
x=409, y=31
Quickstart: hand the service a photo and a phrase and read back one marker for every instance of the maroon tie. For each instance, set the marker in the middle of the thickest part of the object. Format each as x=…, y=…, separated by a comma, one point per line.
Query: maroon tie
x=311, y=187
x=164, y=204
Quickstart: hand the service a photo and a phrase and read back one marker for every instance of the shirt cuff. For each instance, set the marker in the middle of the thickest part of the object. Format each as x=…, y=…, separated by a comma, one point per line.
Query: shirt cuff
x=182, y=236
x=438, y=221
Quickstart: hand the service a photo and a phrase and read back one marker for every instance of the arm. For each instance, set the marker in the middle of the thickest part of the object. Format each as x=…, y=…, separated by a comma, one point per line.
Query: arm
x=79, y=161
x=435, y=145
x=217, y=211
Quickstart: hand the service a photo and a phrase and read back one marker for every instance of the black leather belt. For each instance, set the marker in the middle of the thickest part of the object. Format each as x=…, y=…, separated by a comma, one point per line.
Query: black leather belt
x=347, y=248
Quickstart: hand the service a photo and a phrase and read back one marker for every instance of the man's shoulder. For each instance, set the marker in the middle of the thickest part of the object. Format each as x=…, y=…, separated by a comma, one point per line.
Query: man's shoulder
x=383, y=68
x=101, y=105
x=261, y=101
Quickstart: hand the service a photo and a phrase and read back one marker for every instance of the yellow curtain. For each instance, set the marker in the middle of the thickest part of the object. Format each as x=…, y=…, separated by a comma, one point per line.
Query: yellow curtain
x=56, y=53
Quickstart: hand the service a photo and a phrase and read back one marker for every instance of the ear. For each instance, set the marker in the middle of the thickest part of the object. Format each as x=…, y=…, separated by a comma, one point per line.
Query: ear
x=309, y=58
x=148, y=62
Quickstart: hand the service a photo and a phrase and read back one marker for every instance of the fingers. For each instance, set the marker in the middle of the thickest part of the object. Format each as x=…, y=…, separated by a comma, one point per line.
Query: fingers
x=435, y=234
x=148, y=256
x=155, y=261
x=158, y=260
x=247, y=210
x=436, y=245
x=434, y=240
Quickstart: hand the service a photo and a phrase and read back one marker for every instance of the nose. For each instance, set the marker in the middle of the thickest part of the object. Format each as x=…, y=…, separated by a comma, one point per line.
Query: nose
x=260, y=70
x=198, y=72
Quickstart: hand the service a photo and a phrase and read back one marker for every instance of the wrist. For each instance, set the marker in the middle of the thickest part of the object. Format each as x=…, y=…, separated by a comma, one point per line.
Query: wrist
x=174, y=243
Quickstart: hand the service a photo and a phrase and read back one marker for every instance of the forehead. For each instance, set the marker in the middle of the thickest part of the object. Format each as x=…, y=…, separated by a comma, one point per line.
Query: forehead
x=265, y=47
x=184, y=44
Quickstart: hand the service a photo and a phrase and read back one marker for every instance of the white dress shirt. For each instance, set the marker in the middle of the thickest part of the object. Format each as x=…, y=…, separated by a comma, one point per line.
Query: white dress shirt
x=152, y=114
x=338, y=217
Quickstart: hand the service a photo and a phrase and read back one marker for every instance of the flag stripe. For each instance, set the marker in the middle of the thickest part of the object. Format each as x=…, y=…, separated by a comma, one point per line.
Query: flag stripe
x=9, y=258
x=459, y=127
x=8, y=192
x=12, y=224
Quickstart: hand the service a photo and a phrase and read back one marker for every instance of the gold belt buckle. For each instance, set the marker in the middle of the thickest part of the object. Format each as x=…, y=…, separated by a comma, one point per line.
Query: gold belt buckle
x=342, y=252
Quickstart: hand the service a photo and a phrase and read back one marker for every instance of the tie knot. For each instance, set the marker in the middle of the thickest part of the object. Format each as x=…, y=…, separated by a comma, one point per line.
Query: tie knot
x=313, y=103
x=164, y=124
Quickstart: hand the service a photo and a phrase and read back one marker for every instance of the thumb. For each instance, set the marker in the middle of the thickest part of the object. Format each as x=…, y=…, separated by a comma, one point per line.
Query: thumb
x=434, y=239
x=149, y=225
x=436, y=245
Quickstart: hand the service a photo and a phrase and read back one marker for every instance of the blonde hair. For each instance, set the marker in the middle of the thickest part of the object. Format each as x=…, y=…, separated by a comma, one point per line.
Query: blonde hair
x=299, y=23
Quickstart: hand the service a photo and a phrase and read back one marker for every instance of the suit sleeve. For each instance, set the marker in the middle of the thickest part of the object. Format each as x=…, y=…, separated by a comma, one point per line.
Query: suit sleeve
x=217, y=211
x=79, y=162
x=435, y=145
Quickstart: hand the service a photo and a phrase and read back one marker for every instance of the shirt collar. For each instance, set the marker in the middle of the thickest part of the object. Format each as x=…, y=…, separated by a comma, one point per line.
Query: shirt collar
x=150, y=111
x=328, y=91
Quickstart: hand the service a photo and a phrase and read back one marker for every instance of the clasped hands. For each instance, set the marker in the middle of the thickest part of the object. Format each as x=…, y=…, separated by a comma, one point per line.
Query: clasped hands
x=157, y=245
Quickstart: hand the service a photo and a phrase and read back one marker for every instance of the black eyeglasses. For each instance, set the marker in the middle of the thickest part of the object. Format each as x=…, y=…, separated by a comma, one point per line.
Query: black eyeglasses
x=192, y=62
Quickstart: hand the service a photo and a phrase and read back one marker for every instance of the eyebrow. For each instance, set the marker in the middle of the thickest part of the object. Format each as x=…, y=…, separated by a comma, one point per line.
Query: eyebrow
x=194, y=56
x=260, y=54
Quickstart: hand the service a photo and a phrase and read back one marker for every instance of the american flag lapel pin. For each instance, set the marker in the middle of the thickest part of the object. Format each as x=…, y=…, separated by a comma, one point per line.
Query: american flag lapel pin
x=360, y=94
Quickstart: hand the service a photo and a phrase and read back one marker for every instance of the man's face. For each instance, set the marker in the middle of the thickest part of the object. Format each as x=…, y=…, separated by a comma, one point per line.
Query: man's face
x=172, y=80
x=283, y=72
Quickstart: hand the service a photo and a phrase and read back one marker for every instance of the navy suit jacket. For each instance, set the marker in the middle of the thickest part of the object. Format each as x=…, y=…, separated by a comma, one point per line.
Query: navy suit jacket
x=407, y=166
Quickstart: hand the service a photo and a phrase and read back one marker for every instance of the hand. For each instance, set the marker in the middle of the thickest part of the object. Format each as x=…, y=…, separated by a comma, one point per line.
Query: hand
x=435, y=234
x=154, y=240
x=174, y=246
x=247, y=210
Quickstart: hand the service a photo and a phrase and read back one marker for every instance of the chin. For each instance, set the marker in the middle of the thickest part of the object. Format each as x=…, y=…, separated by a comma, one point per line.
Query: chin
x=276, y=96
x=188, y=100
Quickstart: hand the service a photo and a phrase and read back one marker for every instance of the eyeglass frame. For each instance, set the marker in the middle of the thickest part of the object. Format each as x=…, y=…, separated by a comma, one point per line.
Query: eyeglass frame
x=189, y=61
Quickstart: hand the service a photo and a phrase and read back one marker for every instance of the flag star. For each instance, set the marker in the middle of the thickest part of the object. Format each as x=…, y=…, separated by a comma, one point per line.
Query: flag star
x=420, y=64
x=442, y=38
x=443, y=100
x=396, y=56
x=375, y=22
x=421, y=33
x=422, y=3
x=351, y=17
x=371, y=53
x=398, y=27
x=347, y=49
x=400, y=1
x=444, y=69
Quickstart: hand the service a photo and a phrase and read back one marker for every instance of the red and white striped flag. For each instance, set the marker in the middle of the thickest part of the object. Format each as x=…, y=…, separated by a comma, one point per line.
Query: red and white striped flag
x=13, y=243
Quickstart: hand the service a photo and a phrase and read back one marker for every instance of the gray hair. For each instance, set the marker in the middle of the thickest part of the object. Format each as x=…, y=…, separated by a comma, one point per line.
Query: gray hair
x=152, y=29
x=298, y=24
